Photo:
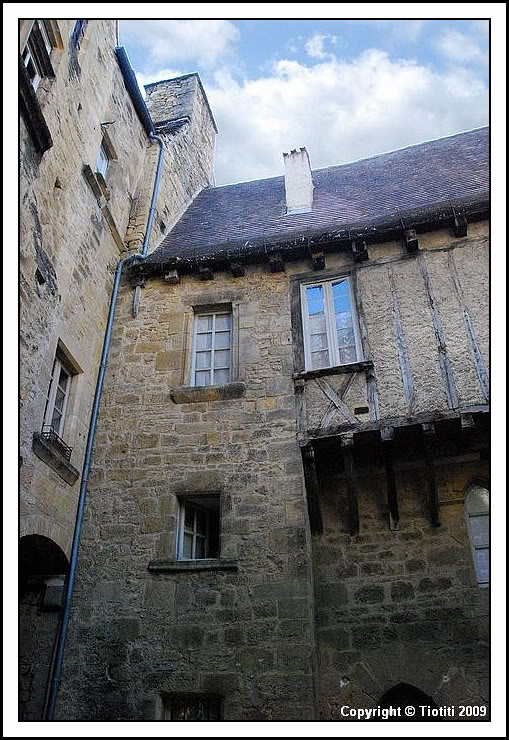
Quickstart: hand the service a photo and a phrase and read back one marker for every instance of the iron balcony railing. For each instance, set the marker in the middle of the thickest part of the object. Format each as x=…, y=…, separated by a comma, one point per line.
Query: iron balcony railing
x=49, y=434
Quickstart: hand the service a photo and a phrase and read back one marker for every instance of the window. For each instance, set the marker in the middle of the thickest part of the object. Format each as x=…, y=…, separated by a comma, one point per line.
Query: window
x=102, y=161
x=36, y=54
x=198, y=528
x=192, y=708
x=58, y=396
x=331, y=335
x=212, y=346
x=477, y=511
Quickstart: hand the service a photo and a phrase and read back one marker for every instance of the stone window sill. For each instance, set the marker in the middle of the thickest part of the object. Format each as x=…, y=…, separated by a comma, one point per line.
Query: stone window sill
x=193, y=394
x=191, y=566
x=353, y=367
x=54, y=459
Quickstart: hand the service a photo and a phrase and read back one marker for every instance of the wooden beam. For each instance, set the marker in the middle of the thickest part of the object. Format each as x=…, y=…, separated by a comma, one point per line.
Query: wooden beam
x=351, y=487
x=312, y=489
x=428, y=431
x=387, y=434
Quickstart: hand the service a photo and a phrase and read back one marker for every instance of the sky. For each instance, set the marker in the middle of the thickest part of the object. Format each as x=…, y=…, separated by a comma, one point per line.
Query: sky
x=344, y=89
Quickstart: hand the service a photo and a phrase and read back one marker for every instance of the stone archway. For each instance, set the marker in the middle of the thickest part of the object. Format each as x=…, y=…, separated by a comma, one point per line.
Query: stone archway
x=43, y=567
x=404, y=695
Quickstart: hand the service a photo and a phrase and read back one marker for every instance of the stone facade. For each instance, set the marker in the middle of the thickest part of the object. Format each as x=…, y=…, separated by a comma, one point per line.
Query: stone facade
x=298, y=625
x=344, y=565
x=73, y=231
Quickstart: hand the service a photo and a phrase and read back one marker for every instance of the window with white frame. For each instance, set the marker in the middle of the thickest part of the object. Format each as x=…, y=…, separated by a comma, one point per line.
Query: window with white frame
x=212, y=349
x=102, y=161
x=36, y=54
x=477, y=512
x=331, y=334
x=58, y=395
x=198, y=528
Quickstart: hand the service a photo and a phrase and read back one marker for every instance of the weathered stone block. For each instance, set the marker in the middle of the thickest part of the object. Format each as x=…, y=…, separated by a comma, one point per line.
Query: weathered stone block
x=369, y=594
x=402, y=591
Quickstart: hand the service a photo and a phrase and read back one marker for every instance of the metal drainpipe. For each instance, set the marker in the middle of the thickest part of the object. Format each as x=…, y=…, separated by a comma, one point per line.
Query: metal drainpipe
x=57, y=670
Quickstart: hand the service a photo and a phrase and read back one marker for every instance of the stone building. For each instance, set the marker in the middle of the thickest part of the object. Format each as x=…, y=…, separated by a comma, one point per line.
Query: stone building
x=289, y=488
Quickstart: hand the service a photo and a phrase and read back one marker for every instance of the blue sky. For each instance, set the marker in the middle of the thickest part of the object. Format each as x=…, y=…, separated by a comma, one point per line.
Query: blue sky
x=345, y=89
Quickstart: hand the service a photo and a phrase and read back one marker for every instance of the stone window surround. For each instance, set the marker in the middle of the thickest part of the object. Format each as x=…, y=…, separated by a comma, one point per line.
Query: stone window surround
x=472, y=513
x=213, y=703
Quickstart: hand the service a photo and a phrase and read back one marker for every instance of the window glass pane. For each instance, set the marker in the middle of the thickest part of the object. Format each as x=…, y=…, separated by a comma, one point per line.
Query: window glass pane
x=347, y=355
x=480, y=530
x=221, y=376
x=317, y=324
x=187, y=551
x=222, y=340
x=200, y=547
x=204, y=323
x=343, y=320
x=189, y=517
x=203, y=360
x=345, y=337
x=340, y=296
x=56, y=420
x=202, y=378
x=222, y=358
x=223, y=321
x=319, y=359
x=62, y=380
x=201, y=521
x=315, y=300
x=318, y=342
x=59, y=400
x=482, y=562
x=204, y=341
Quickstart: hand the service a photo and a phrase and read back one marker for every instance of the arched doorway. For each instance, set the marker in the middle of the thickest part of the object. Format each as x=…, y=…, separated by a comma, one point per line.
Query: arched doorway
x=405, y=695
x=43, y=568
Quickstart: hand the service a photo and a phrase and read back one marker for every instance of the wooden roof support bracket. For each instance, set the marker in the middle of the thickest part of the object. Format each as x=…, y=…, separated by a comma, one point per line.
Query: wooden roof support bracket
x=237, y=269
x=172, y=277
x=205, y=272
x=359, y=250
x=428, y=431
x=312, y=489
x=318, y=260
x=460, y=223
x=411, y=240
x=347, y=444
x=387, y=435
x=276, y=263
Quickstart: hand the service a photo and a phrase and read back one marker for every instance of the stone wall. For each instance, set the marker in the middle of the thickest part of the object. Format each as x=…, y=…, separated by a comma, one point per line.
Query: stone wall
x=400, y=606
x=137, y=635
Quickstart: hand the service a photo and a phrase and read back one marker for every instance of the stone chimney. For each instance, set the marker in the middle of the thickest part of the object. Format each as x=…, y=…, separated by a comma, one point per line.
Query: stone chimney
x=298, y=181
x=178, y=99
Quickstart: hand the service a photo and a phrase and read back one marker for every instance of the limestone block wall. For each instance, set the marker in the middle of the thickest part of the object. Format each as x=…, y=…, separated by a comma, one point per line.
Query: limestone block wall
x=68, y=255
x=399, y=606
x=136, y=636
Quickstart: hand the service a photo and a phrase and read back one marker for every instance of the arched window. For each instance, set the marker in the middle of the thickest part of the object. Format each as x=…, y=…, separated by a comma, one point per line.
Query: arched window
x=477, y=512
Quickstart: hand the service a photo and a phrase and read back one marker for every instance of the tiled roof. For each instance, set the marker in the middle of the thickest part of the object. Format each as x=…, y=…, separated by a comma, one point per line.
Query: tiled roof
x=436, y=172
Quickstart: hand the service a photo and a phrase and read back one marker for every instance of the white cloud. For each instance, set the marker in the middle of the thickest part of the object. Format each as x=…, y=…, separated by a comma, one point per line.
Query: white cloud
x=340, y=110
x=176, y=40
x=315, y=46
x=458, y=47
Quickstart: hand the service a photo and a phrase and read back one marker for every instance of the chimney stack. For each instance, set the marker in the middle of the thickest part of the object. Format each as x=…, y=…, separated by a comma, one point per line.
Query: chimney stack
x=298, y=181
